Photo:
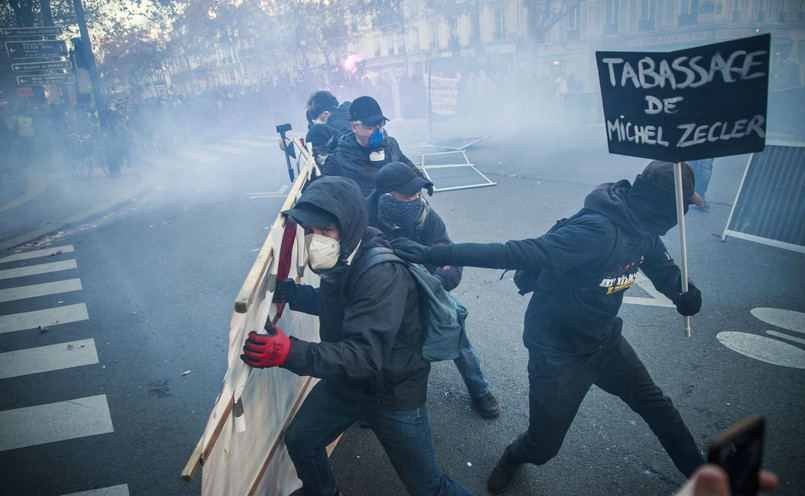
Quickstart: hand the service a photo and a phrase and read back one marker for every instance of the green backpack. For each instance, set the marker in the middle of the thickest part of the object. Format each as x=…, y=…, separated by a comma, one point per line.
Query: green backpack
x=443, y=316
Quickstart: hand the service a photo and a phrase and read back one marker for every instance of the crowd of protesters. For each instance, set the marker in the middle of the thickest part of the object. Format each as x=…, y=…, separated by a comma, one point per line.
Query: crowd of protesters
x=44, y=135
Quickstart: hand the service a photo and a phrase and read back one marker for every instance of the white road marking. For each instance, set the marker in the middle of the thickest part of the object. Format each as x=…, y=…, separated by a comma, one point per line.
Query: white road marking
x=34, y=270
x=46, y=252
x=121, y=490
x=47, y=358
x=787, y=319
x=41, y=424
x=43, y=289
x=278, y=193
x=47, y=317
x=786, y=336
x=657, y=299
x=764, y=349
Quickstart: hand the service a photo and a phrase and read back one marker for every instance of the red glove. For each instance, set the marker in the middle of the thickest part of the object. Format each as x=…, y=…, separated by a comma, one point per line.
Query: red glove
x=266, y=350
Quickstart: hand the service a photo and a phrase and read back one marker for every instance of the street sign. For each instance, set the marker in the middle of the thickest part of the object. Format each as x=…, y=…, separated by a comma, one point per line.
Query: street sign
x=41, y=79
x=41, y=66
x=28, y=49
x=31, y=31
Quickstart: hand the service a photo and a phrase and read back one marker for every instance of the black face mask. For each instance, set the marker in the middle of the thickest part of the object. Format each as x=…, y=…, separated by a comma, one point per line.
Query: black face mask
x=653, y=206
x=399, y=213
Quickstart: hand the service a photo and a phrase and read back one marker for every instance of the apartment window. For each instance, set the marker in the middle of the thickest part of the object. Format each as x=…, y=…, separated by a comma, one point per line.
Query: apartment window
x=434, y=35
x=500, y=24
x=648, y=12
x=611, y=15
x=688, y=13
x=475, y=28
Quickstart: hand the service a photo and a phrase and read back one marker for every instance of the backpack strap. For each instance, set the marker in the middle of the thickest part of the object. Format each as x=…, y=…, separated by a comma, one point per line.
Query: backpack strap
x=371, y=257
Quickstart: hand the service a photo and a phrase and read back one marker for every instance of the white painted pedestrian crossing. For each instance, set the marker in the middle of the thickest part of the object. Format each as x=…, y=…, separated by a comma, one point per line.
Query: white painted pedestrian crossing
x=47, y=317
x=41, y=424
x=45, y=252
x=44, y=289
x=48, y=358
x=35, y=270
x=38, y=422
x=121, y=490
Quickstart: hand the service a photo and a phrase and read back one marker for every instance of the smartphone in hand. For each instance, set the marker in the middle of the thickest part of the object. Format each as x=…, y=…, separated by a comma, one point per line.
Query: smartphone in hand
x=738, y=449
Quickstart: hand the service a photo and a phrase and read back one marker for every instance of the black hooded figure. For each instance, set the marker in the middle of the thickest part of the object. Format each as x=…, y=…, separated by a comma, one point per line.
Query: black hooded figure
x=369, y=359
x=572, y=330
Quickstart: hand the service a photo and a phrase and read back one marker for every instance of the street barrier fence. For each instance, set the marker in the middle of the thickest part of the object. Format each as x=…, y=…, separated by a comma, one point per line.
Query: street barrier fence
x=242, y=450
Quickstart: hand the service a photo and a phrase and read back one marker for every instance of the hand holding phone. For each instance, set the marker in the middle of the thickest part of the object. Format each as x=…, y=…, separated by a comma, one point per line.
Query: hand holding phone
x=739, y=451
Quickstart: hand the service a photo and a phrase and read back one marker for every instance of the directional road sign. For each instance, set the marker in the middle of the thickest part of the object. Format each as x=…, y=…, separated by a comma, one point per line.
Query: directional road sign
x=31, y=31
x=40, y=66
x=28, y=49
x=41, y=79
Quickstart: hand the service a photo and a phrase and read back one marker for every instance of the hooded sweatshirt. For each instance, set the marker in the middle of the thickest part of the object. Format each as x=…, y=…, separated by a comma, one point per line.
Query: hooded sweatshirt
x=371, y=334
x=584, y=267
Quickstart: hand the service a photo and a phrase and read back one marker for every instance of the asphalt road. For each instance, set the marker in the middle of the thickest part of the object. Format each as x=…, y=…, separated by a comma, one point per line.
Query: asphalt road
x=159, y=279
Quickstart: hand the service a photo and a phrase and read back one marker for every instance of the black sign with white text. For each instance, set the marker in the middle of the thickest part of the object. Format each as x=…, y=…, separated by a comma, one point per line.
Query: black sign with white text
x=30, y=49
x=703, y=102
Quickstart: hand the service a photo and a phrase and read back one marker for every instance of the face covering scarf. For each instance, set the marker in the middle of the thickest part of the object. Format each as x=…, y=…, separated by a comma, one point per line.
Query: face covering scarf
x=398, y=213
x=323, y=252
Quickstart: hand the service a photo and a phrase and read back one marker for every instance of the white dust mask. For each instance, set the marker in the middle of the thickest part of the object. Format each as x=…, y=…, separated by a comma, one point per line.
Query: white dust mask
x=323, y=252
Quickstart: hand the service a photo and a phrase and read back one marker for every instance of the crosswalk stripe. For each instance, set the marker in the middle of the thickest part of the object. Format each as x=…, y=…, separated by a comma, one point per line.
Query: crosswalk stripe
x=45, y=252
x=45, y=318
x=43, y=289
x=121, y=490
x=41, y=424
x=34, y=270
x=47, y=358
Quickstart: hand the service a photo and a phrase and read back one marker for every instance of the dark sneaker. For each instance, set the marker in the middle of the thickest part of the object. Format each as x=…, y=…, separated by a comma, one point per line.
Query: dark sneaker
x=503, y=474
x=487, y=406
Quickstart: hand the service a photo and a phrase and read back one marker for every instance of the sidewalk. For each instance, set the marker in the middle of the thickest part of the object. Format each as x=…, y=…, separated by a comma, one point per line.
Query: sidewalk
x=41, y=201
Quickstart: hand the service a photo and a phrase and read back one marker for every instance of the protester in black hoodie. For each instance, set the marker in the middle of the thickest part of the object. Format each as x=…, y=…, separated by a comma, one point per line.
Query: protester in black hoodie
x=369, y=359
x=572, y=332
x=397, y=208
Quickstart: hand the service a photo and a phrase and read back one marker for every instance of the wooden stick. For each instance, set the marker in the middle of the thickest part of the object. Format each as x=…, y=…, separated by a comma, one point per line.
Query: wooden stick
x=193, y=463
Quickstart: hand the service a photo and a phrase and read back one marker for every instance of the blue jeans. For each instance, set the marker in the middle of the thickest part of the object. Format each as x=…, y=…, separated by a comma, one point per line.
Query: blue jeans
x=702, y=170
x=405, y=435
x=469, y=366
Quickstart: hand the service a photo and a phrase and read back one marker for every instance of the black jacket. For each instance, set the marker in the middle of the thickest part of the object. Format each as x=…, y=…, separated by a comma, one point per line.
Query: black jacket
x=348, y=158
x=428, y=230
x=582, y=280
x=370, y=329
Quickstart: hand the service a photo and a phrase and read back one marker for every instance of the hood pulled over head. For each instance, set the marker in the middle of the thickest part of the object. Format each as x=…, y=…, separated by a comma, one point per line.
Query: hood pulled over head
x=334, y=198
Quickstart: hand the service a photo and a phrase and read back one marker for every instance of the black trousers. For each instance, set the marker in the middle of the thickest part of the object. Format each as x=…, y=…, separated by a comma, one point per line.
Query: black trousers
x=558, y=384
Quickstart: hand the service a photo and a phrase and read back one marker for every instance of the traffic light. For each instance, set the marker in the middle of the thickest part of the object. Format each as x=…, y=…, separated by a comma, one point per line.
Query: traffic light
x=80, y=53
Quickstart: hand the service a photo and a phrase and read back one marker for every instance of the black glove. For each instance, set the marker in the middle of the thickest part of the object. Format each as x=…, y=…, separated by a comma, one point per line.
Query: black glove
x=410, y=251
x=285, y=291
x=689, y=303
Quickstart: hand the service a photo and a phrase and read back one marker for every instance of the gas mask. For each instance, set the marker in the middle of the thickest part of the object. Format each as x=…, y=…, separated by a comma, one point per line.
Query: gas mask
x=398, y=213
x=323, y=252
x=376, y=139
